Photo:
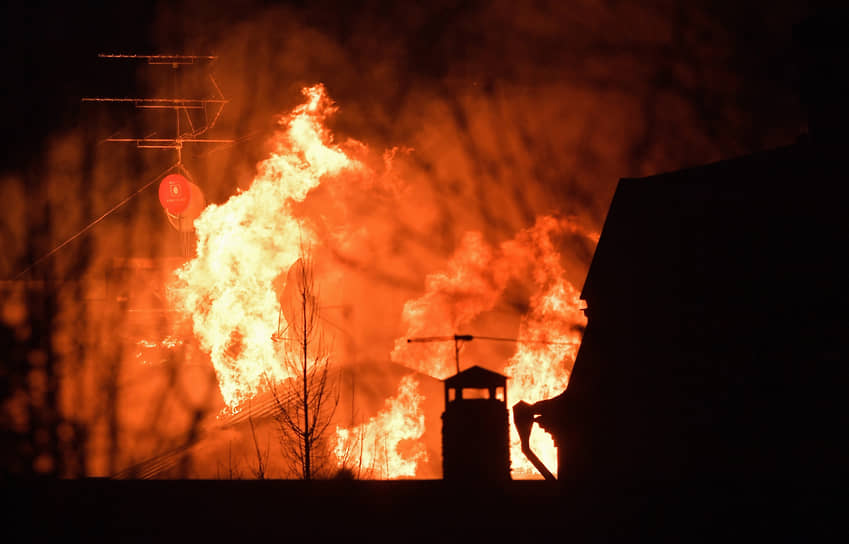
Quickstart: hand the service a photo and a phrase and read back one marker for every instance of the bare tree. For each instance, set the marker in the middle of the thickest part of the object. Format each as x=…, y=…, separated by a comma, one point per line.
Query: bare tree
x=306, y=402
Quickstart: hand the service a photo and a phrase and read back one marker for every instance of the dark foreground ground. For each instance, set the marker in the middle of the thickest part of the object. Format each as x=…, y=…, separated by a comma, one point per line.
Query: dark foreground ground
x=400, y=511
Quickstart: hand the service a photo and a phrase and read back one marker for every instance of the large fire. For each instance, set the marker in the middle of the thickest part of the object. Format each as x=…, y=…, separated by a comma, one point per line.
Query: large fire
x=549, y=333
x=246, y=243
x=245, y=246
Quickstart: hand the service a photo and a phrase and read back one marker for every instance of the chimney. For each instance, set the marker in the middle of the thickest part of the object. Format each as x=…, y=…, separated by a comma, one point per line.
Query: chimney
x=475, y=432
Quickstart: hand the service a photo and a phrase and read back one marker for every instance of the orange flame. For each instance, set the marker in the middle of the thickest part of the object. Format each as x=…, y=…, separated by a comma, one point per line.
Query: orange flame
x=246, y=245
x=247, y=242
x=548, y=336
x=376, y=449
x=474, y=280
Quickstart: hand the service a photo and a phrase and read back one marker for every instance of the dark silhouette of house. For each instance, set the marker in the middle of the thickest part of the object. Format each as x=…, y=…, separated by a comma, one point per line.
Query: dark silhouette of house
x=475, y=429
x=717, y=343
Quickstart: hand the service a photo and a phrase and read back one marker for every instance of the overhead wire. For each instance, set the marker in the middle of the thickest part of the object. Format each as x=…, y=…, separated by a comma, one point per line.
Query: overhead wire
x=91, y=225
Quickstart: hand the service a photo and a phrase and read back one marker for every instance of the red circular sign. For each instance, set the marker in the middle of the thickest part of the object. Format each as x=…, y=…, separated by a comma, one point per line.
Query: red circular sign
x=174, y=193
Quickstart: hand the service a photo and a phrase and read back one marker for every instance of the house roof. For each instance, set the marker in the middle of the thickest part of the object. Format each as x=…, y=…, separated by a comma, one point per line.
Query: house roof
x=655, y=223
x=716, y=305
x=476, y=377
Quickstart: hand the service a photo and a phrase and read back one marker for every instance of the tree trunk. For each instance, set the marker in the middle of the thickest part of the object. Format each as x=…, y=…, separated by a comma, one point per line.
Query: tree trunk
x=307, y=433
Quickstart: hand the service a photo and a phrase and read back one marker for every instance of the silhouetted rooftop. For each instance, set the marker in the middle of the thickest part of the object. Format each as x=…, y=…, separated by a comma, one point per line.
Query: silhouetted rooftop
x=715, y=342
x=476, y=376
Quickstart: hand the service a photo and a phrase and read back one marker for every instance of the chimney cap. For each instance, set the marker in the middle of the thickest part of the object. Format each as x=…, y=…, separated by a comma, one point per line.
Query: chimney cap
x=476, y=377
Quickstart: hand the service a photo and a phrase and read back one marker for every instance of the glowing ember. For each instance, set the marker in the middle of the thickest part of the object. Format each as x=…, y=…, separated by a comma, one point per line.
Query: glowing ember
x=169, y=342
x=246, y=243
x=387, y=445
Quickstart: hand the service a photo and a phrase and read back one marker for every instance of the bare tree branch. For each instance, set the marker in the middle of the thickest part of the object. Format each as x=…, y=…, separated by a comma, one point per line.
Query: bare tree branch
x=305, y=403
x=261, y=461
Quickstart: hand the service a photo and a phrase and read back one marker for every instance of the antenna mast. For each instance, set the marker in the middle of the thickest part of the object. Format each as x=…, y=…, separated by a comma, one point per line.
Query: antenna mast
x=210, y=108
x=460, y=338
x=193, y=117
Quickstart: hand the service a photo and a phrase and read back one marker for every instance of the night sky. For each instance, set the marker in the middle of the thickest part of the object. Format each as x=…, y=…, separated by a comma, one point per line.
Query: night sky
x=49, y=50
x=593, y=92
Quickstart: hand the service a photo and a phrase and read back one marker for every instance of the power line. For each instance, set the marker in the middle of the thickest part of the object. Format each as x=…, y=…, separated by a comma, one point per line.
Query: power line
x=520, y=341
x=96, y=221
x=458, y=339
